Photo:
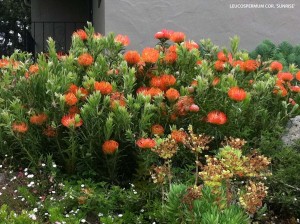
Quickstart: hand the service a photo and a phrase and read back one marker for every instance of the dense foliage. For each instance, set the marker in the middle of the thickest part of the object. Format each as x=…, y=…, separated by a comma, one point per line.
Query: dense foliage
x=284, y=52
x=180, y=112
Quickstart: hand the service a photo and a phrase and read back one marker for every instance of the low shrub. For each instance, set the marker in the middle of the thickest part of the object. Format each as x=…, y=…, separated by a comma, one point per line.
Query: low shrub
x=103, y=113
x=284, y=52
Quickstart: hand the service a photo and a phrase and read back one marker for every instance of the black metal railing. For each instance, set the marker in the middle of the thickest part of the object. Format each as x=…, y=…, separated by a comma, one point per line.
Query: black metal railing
x=60, y=31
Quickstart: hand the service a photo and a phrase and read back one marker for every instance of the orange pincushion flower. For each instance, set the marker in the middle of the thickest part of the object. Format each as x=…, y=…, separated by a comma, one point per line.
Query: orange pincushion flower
x=142, y=90
x=33, y=69
x=83, y=92
x=298, y=76
x=295, y=89
x=194, y=83
x=153, y=91
x=168, y=80
x=177, y=37
x=76, y=90
x=285, y=76
x=132, y=57
x=216, y=117
x=183, y=105
x=113, y=72
x=292, y=101
x=20, y=127
x=178, y=135
x=104, y=87
x=4, y=63
x=15, y=64
x=216, y=81
x=122, y=39
x=81, y=34
x=280, y=90
x=117, y=98
x=156, y=81
x=71, y=99
x=97, y=36
x=38, y=119
x=150, y=55
x=194, y=108
x=110, y=146
x=190, y=45
x=163, y=34
x=219, y=66
x=250, y=65
x=85, y=59
x=276, y=66
x=71, y=120
x=73, y=88
x=238, y=63
x=157, y=129
x=50, y=132
x=171, y=55
x=222, y=56
x=237, y=94
x=199, y=62
x=172, y=94
x=146, y=143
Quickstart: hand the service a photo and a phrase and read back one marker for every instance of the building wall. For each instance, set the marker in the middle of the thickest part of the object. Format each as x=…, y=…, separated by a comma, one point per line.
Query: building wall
x=199, y=19
x=99, y=16
x=61, y=18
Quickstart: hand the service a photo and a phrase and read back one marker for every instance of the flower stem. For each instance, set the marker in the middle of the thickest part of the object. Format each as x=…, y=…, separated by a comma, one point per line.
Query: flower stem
x=197, y=168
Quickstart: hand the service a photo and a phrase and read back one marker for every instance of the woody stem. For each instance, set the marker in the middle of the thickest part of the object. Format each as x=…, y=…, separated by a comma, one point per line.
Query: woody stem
x=197, y=168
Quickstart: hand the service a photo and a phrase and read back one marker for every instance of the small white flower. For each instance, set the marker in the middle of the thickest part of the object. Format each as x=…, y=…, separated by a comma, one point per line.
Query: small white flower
x=100, y=214
x=83, y=220
x=22, y=199
x=46, y=213
x=0, y=193
x=82, y=185
x=43, y=164
x=120, y=215
x=35, y=210
x=0, y=166
x=25, y=170
x=67, y=215
x=142, y=210
x=3, y=188
x=32, y=216
x=30, y=176
x=54, y=165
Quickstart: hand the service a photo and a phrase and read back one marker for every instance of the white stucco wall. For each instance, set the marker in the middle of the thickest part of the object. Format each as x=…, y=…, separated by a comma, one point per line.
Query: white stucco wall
x=199, y=19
